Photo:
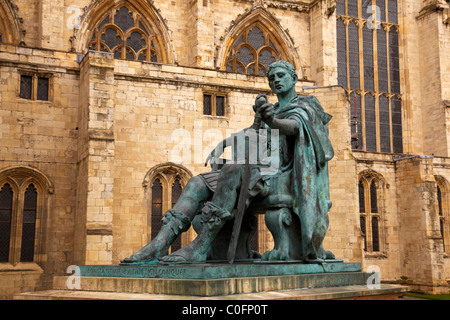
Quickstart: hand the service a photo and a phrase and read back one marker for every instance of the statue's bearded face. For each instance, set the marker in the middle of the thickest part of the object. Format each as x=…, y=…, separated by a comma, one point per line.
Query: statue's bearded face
x=281, y=81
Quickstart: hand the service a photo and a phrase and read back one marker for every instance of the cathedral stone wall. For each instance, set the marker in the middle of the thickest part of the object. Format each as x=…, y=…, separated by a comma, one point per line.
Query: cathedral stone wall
x=109, y=127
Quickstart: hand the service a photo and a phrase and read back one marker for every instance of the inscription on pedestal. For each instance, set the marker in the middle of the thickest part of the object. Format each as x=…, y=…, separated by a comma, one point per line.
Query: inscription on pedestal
x=214, y=271
x=140, y=272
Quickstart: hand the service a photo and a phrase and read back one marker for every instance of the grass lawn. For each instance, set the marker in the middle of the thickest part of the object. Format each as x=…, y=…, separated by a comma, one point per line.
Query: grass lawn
x=430, y=296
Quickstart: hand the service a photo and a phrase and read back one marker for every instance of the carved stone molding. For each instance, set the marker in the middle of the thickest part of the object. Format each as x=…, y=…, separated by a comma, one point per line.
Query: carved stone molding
x=11, y=23
x=435, y=6
x=262, y=14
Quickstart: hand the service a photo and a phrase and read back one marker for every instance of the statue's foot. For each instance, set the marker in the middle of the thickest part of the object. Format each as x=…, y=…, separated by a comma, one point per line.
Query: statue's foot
x=275, y=255
x=174, y=223
x=149, y=255
x=130, y=259
x=329, y=255
x=192, y=253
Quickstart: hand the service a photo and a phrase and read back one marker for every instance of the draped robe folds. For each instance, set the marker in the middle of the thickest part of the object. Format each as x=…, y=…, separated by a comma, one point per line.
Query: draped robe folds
x=310, y=183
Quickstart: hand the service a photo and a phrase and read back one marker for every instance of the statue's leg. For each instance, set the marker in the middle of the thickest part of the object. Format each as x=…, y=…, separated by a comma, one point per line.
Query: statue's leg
x=228, y=187
x=214, y=215
x=213, y=219
x=175, y=221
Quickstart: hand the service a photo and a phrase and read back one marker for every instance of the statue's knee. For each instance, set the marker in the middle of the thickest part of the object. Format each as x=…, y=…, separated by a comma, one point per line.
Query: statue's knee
x=196, y=183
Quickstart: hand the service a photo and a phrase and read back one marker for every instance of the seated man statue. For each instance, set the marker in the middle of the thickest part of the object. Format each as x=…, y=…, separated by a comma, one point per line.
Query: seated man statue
x=304, y=152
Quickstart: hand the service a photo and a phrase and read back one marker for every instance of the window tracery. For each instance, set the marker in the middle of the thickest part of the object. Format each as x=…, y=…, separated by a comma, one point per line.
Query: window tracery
x=443, y=211
x=23, y=200
x=165, y=184
x=369, y=69
x=253, y=51
x=126, y=34
x=370, y=210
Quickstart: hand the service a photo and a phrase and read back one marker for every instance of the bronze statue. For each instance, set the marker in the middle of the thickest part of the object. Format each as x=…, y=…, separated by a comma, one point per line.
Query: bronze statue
x=294, y=197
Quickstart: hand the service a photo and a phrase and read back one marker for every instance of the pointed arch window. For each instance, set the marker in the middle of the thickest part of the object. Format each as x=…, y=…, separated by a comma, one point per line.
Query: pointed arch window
x=6, y=207
x=254, y=49
x=124, y=32
x=18, y=221
x=370, y=212
x=157, y=199
x=166, y=184
x=443, y=211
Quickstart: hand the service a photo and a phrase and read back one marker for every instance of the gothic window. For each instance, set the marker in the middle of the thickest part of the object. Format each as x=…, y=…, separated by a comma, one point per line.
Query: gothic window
x=157, y=196
x=20, y=217
x=370, y=213
x=369, y=67
x=442, y=209
x=176, y=193
x=6, y=207
x=441, y=214
x=166, y=184
x=125, y=33
x=28, y=224
x=253, y=51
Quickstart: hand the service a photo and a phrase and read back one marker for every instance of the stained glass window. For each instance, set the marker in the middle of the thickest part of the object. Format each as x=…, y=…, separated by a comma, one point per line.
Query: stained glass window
x=26, y=86
x=355, y=107
x=6, y=200
x=439, y=199
x=176, y=193
x=375, y=235
x=220, y=106
x=42, y=88
x=362, y=222
x=341, y=53
x=253, y=51
x=370, y=122
x=362, y=201
x=369, y=212
x=358, y=35
x=207, y=101
x=214, y=104
x=164, y=196
x=34, y=87
x=353, y=55
x=384, y=122
x=126, y=34
x=442, y=218
x=29, y=224
x=156, y=216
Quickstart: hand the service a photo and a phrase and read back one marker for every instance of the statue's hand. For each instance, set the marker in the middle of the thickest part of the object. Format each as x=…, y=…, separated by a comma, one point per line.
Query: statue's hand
x=267, y=112
x=260, y=100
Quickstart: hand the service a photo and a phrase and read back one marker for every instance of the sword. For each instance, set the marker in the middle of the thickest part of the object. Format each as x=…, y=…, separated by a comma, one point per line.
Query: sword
x=240, y=212
x=246, y=175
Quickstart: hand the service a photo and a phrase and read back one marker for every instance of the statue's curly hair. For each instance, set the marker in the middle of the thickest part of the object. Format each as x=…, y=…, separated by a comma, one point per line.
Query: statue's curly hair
x=283, y=64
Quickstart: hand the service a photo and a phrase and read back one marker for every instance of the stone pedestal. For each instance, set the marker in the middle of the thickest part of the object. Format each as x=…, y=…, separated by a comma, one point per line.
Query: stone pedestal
x=268, y=281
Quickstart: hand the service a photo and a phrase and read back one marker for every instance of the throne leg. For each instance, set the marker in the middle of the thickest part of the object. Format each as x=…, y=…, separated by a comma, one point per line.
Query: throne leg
x=286, y=232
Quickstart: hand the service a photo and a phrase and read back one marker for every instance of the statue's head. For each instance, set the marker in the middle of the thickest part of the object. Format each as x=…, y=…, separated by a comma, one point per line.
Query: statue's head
x=282, y=77
x=283, y=64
